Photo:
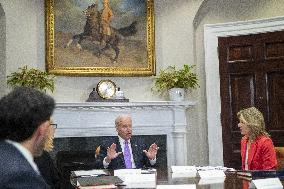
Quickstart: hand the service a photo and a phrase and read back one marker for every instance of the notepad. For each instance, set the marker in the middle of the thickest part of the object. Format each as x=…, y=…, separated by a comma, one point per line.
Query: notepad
x=96, y=181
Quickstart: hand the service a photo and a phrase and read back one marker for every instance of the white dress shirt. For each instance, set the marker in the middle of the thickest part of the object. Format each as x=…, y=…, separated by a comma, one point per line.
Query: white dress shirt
x=246, y=157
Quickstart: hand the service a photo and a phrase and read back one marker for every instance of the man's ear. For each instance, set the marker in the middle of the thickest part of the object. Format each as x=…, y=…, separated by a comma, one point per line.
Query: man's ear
x=42, y=129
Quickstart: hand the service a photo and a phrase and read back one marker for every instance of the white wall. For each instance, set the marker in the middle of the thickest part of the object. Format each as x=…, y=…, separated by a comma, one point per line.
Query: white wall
x=2, y=52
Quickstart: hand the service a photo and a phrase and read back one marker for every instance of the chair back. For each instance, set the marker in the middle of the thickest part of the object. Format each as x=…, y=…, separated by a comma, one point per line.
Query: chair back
x=98, y=151
x=280, y=157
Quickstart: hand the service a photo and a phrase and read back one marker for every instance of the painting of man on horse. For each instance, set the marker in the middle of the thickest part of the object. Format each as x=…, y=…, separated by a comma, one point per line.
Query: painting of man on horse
x=103, y=41
x=100, y=37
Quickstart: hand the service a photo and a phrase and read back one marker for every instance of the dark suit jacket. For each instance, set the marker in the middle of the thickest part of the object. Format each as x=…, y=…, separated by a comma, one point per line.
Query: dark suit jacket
x=15, y=170
x=137, y=145
x=48, y=170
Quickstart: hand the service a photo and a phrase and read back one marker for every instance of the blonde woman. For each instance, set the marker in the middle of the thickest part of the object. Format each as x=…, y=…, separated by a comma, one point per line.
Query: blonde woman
x=45, y=163
x=257, y=149
x=48, y=145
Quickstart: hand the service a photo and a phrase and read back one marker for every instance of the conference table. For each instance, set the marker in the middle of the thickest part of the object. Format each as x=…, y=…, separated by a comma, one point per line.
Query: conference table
x=230, y=181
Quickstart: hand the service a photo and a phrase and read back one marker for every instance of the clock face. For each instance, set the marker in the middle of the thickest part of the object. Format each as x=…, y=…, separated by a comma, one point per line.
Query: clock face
x=106, y=89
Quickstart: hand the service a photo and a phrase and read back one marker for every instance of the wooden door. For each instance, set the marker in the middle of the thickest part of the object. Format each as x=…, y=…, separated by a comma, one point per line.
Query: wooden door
x=251, y=74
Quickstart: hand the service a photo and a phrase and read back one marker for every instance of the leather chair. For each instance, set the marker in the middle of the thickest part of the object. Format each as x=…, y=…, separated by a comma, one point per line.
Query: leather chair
x=280, y=157
x=68, y=161
x=98, y=151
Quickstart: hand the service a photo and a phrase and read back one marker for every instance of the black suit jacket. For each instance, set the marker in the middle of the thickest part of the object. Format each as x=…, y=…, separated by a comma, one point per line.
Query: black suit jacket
x=137, y=146
x=15, y=170
x=48, y=170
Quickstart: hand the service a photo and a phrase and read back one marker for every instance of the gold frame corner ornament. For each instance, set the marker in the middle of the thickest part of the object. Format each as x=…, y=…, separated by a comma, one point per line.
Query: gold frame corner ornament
x=99, y=71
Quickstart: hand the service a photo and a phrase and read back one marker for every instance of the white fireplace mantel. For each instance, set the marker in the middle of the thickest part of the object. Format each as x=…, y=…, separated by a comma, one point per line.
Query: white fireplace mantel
x=89, y=119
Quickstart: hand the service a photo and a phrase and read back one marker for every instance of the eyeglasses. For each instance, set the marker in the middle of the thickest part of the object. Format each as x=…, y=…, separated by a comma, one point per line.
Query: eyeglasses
x=54, y=125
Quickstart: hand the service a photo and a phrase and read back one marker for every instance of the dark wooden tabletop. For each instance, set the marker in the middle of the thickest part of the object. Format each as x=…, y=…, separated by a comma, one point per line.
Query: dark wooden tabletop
x=231, y=181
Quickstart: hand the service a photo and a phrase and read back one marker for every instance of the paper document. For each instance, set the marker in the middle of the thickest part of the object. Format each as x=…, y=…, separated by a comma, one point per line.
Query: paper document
x=269, y=183
x=179, y=169
x=206, y=168
x=122, y=172
x=93, y=172
x=140, y=181
x=211, y=173
x=183, y=186
x=109, y=186
x=148, y=171
x=216, y=180
x=183, y=171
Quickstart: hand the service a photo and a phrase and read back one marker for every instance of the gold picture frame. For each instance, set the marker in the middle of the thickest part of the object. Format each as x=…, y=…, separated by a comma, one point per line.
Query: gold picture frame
x=67, y=26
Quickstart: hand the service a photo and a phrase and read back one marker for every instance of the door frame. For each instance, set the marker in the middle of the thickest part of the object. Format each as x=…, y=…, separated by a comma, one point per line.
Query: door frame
x=211, y=34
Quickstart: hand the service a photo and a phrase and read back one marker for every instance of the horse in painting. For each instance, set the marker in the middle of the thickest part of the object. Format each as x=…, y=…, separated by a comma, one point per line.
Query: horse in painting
x=92, y=31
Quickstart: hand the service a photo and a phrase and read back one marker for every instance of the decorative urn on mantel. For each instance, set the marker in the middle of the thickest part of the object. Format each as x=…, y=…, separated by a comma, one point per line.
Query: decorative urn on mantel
x=175, y=81
x=176, y=94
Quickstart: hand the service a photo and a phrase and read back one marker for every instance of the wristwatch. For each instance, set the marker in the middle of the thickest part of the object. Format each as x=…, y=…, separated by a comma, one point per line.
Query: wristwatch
x=106, y=89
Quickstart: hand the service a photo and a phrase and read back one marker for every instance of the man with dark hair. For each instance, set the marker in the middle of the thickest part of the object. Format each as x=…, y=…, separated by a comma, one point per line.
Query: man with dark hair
x=24, y=126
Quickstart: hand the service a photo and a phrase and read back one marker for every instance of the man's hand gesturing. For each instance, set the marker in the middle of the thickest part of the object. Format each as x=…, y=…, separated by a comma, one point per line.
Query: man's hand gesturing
x=152, y=151
x=111, y=153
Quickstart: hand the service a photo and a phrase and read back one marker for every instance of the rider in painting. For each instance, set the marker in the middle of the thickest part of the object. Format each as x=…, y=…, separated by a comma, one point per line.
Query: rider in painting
x=106, y=17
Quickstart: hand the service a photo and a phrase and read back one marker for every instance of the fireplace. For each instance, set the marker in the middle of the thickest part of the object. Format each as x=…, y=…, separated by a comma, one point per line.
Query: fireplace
x=85, y=124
